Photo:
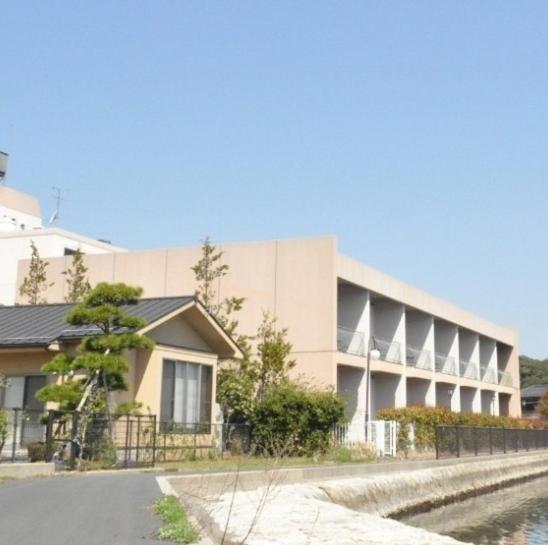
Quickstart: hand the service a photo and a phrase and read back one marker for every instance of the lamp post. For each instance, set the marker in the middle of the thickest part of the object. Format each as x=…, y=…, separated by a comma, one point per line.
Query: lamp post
x=372, y=352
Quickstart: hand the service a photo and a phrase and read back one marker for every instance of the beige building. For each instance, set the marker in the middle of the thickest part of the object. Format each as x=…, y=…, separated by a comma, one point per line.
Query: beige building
x=432, y=353
x=174, y=381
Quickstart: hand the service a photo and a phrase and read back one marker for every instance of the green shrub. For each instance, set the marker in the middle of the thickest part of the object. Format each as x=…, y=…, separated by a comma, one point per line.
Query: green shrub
x=345, y=455
x=294, y=420
x=425, y=420
x=37, y=451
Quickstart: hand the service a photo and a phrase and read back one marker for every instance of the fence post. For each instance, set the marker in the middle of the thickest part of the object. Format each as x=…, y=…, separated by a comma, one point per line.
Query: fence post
x=457, y=436
x=504, y=440
x=73, y=439
x=14, y=438
x=126, y=442
x=437, y=440
x=153, y=440
x=49, y=437
x=137, y=443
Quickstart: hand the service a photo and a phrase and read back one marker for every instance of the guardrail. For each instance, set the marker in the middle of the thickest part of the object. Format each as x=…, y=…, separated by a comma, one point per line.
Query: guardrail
x=390, y=350
x=420, y=359
x=446, y=365
x=460, y=441
x=350, y=341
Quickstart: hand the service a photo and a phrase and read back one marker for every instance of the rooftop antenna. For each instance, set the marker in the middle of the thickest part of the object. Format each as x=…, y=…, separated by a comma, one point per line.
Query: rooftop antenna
x=57, y=192
x=3, y=166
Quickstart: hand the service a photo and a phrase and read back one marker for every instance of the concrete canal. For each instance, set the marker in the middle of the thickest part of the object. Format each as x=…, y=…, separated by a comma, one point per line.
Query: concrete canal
x=517, y=515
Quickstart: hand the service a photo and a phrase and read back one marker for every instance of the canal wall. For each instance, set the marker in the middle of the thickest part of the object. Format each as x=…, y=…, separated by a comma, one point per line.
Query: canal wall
x=263, y=508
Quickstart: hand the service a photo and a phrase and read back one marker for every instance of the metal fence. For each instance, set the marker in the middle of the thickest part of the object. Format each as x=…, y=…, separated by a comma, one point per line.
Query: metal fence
x=381, y=435
x=114, y=440
x=22, y=428
x=459, y=441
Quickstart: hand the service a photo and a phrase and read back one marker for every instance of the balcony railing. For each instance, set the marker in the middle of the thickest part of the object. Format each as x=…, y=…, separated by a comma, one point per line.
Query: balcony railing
x=488, y=374
x=351, y=342
x=390, y=350
x=505, y=379
x=420, y=359
x=445, y=364
x=469, y=369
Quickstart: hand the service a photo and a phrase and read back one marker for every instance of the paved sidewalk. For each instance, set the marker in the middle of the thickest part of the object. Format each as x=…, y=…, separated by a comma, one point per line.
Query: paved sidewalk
x=110, y=509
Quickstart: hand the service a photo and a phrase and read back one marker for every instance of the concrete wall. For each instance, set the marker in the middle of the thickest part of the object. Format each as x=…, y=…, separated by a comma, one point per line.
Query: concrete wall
x=292, y=279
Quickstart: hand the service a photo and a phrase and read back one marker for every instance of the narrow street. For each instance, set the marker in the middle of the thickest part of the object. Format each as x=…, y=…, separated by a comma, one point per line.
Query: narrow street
x=108, y=509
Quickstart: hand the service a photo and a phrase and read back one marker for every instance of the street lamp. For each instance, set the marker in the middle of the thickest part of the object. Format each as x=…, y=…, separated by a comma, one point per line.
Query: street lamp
x=374, y=353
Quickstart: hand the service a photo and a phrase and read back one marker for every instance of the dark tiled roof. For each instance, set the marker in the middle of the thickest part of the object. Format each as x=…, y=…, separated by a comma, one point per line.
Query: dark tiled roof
x=538, y=390
x=39, y=325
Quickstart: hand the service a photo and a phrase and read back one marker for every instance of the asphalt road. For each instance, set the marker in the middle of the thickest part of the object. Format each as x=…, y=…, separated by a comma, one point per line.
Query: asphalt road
x=84, y=509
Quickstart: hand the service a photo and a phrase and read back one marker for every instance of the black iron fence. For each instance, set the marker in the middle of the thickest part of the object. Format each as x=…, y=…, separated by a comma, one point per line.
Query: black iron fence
x=458, y=441
x=19, y=429
x=69, y=438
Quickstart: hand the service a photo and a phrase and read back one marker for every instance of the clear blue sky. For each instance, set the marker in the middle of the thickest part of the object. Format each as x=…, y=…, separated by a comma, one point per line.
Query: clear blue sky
x=415, y=131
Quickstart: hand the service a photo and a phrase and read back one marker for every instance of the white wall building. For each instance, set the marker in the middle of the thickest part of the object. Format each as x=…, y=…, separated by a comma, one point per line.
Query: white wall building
x=21, y=223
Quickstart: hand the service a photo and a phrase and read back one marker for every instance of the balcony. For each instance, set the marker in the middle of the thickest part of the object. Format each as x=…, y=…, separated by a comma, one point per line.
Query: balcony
x=420, y=359
x=445, y=364
x=351, y=342
x=390, y=350
x=505, y=379
x=488, y=374
x=469, y=370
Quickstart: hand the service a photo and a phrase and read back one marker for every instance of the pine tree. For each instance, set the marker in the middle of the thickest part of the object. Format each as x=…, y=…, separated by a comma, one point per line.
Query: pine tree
x=77, y=282
x=99, y=363
x=36, y=281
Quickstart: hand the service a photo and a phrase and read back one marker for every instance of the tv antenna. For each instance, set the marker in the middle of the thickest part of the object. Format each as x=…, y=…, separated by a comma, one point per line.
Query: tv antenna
x=54, y=218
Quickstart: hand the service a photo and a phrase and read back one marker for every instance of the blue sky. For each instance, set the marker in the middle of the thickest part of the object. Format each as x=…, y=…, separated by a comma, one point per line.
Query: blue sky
x=415, y=131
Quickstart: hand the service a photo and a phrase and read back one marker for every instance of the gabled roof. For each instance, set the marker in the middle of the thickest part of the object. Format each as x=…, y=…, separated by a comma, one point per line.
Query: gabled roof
x=537, y=390
x=40, y=325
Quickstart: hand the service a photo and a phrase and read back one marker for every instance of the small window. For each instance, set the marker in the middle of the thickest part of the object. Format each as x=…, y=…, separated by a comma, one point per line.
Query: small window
x=186, y=395
x=69, y=251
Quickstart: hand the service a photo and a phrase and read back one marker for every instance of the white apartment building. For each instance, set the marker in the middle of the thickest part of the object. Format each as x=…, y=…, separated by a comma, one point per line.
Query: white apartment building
x=21, y=223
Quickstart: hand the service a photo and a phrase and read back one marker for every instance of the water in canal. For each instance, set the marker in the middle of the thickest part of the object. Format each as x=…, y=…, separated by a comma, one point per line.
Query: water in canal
x=517, y=515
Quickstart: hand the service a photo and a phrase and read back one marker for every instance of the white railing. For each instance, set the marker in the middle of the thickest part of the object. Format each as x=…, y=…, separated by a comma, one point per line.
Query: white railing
x=505, y=378
x=390, y=350
x=445, y=364
x=421, y=359
x=488, y=374
x=382, y=436
x=469, y=369
x=350, y=341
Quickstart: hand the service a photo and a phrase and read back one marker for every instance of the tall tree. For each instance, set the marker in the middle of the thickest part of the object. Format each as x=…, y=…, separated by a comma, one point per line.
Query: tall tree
x=99, y=364
x=208, y=272
x=273, y=348
x=36, y=281
x=77, y=282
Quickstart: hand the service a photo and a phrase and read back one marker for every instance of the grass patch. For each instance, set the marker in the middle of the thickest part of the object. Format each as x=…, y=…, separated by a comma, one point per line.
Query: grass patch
x=177, y=527
x=335, y=456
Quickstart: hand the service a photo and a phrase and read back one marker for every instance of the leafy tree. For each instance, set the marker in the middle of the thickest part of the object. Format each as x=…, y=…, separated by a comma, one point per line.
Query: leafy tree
x=99, y=366
x=208, y=272
x=533, y=371
x=77, y=282
x=543, y=406
x=273, y=365
x=36, y=282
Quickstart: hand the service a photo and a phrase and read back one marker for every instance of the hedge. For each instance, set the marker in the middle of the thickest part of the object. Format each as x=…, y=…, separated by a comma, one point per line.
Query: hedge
x=425, y=419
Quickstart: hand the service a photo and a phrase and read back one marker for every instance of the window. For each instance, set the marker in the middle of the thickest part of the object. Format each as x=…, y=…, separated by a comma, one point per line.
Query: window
x=21, y=393
x=186, y=394
x=69, y=251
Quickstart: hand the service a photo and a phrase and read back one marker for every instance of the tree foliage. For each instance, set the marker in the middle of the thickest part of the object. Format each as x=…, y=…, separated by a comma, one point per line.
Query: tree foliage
x=98, y=365
x=293, y=420
x=36, y=282
x=208, y=272
x=533, y=371
x=543, y=406
x=77, y=282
